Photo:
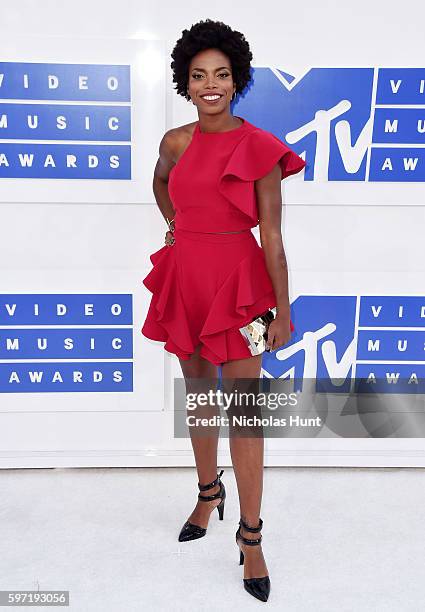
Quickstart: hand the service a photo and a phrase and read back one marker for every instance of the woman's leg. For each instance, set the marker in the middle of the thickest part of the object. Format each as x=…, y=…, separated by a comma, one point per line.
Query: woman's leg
x=205, y=446
x=248, y=461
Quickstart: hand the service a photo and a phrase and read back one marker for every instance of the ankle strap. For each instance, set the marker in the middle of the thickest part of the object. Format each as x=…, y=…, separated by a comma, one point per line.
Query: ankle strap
x=211, y=484
x=248, y=541
x=251, y=529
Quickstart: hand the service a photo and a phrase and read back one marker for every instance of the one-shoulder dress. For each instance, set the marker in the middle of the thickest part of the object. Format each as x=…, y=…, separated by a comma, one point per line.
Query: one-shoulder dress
x=207, y=285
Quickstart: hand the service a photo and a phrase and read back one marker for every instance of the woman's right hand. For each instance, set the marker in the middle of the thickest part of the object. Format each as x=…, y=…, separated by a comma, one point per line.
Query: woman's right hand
x=169, y=238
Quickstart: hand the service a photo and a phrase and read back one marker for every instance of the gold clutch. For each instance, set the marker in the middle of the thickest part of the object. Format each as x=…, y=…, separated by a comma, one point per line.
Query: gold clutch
x=255, y=333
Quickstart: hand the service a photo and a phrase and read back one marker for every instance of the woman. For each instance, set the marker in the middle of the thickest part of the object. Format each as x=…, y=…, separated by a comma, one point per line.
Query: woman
x=215, y=179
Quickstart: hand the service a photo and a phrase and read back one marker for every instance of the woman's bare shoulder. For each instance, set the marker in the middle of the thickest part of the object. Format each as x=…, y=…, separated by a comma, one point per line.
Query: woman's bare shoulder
x=172, y=146
x=178, y=138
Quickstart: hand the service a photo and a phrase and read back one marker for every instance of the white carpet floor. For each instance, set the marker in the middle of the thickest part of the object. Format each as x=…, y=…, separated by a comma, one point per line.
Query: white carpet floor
x=335, y=539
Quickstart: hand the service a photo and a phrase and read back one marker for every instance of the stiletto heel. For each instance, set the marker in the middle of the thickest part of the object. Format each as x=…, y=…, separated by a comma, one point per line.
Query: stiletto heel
x=220, y=509
x=257, y=587
x=190, y=531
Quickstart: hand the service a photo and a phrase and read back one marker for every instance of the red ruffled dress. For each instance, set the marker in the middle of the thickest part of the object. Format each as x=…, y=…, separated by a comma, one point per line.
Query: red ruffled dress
x=207, y=285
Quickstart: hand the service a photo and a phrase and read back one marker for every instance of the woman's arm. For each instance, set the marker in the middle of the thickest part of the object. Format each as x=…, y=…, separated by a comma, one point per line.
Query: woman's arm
x=269, y=200
x=161, y=173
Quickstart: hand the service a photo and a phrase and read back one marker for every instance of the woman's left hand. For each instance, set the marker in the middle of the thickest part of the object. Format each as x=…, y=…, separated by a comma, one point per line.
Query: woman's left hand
x=279, y=332
x=169, y=238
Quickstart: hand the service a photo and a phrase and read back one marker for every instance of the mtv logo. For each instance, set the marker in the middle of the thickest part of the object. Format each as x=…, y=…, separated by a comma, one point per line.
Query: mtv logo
x=344, y=337
x=343, y=121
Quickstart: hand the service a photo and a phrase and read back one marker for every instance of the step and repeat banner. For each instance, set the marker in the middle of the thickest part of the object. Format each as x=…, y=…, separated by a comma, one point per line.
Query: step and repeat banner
x=80, y=127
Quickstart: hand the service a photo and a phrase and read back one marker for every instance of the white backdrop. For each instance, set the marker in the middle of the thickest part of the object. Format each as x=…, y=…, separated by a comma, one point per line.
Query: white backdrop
x=340, y=238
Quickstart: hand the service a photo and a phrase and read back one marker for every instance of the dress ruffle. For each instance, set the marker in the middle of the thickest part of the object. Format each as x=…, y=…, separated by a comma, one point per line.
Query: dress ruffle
x=245, y=293
x=254, y=157
x=166, y=319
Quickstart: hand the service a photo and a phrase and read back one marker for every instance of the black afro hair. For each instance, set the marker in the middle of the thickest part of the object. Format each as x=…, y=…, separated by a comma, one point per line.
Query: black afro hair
x=206, y=35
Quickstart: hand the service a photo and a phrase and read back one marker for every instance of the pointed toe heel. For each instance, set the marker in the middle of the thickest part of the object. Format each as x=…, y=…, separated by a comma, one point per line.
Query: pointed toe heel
x=190, y=531
x=257, y=587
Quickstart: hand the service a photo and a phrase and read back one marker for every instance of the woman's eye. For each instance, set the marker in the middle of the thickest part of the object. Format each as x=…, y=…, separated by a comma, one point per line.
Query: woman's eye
x=221, y=74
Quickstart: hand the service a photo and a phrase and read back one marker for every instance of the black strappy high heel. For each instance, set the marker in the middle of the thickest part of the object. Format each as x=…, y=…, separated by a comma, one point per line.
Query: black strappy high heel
x=257, y=587
x=190, y=531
